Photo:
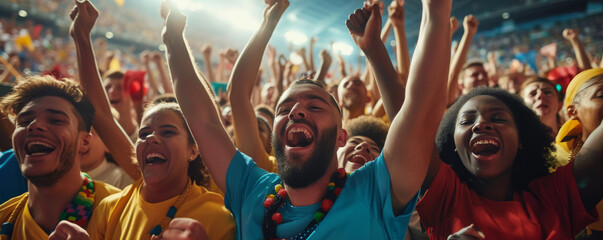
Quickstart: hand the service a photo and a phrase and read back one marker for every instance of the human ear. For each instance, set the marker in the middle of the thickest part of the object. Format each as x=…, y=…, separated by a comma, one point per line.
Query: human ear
x=194, y=152
x=342, y=138
x=86, y=138
x=572, y=112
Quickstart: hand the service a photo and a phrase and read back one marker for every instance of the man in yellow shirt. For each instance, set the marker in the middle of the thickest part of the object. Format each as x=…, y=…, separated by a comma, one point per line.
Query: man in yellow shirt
x=52, y=130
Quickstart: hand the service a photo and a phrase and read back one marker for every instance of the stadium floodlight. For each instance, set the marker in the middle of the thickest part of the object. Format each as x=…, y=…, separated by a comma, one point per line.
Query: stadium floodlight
x=296, y=37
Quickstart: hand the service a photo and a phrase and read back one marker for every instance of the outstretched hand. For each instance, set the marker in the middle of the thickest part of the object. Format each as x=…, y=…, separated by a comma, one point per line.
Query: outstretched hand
x=175, y=22
x=83, y=17
x=274, y=10
x=365, y=26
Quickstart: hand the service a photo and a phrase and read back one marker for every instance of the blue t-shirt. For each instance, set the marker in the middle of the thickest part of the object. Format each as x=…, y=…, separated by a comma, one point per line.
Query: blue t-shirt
x=363, y=209
x=12, y=182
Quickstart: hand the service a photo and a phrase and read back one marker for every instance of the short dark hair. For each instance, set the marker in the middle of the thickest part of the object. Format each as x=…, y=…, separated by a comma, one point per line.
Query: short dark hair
x=166, y=97
x=534, y=158
x=263, y=108
x=368, y=126
x=303, y=81
x=473, y=64
x=35, y=87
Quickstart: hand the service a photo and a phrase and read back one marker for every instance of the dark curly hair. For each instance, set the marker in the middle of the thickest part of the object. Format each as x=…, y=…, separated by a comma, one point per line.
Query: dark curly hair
x=368, y=126
x=534, y=157
x=197, y=172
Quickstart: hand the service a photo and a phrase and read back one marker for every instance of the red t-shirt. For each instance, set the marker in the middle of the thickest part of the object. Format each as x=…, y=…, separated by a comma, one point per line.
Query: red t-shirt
x=551, y=209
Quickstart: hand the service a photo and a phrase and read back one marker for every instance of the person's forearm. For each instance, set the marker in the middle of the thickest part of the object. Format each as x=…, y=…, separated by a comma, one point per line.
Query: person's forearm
x=311, y=55
x=402, y=55
x=248, y=64
x=163, y=75
x=187, y=83
x=581, y=56
x=322, y=72
x=103, y=117
x=209, y=71
x=342, y=69
x=391, y=90
x=456, y=65
x=152, y=79
x=387, y=29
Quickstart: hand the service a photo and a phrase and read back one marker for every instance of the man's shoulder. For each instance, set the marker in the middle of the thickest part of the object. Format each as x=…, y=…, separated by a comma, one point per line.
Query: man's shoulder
x=103, y=190
x=7, y=207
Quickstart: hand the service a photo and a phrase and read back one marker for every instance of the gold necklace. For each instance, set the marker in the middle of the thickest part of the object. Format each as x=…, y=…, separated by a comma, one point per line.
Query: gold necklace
x=576, y=149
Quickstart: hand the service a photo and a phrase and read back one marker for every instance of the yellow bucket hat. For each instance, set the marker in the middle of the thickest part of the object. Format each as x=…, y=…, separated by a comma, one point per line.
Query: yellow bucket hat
x=572, y=128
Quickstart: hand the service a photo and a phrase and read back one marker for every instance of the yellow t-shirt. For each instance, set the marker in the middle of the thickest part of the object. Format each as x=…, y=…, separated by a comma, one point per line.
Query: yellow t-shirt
x=26, y=228
x=127, y=216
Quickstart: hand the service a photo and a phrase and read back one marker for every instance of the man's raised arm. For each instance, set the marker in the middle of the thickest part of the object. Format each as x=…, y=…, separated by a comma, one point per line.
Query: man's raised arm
x=242, y=82
x=408, y=148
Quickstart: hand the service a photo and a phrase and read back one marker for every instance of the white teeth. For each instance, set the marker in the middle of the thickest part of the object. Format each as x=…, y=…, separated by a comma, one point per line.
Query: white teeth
x=152, y=155
x=299, y=129
x=361, y=157
x=37, y=154
x=486, y=142
x=39, y=143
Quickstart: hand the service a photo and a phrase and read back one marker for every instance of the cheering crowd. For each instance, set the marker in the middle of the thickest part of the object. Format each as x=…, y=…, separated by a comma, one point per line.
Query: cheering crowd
x=437, y=146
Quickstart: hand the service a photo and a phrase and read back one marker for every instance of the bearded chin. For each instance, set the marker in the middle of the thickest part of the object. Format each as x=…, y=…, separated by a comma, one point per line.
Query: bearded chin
x=49, y=179
x=313, y=169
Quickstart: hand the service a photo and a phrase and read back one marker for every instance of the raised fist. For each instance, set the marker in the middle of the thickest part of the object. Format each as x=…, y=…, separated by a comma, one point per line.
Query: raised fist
x=570, y=34
x=470, y=23
x=83, y=17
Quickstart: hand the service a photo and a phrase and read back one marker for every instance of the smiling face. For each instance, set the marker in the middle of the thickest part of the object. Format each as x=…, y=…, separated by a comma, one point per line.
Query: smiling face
x=352, y=93
x=486, y=137
x=542, y=98
x=307, y=130
x=357, y=151
x=475, y=76
x=47, y=140
x=163, y=148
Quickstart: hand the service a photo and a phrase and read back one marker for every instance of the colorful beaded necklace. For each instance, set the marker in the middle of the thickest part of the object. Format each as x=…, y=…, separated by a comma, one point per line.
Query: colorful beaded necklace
x=172, y=211
x=78, y=211
x=275, y=200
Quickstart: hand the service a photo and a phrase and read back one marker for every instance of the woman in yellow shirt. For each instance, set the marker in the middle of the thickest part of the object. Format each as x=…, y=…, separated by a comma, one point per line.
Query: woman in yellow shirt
x=172, y=185
x=166, y=154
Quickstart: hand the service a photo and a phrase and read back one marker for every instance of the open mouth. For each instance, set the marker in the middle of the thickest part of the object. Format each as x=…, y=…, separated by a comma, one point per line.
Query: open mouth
x=484, y=147
x=38, y=148
x=155, y=158
x=298, y=136
x=358, y=159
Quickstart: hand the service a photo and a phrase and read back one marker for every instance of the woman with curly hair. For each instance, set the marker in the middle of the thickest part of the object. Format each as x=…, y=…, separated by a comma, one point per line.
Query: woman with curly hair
x=495, y=177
